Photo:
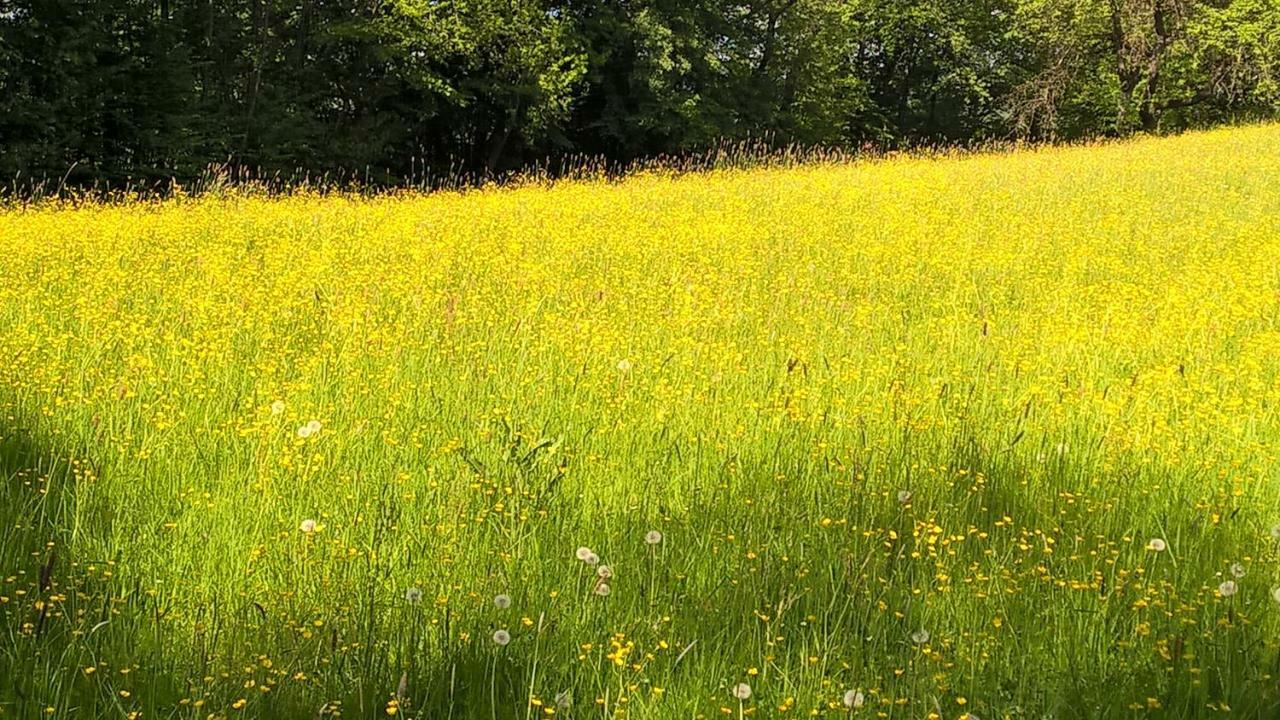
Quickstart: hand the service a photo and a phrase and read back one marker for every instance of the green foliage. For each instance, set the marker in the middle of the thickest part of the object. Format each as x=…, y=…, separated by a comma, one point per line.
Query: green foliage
x=127, y=91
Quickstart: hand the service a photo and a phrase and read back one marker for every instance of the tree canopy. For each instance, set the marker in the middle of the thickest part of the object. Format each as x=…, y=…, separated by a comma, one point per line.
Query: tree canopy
x=142, y=90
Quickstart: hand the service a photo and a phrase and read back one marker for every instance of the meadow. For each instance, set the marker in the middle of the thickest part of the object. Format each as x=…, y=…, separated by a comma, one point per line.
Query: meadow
x=985, y=436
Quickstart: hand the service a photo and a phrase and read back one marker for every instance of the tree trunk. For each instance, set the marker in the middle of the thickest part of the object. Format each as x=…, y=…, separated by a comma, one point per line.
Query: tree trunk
x=497, y=144
x=771, y=38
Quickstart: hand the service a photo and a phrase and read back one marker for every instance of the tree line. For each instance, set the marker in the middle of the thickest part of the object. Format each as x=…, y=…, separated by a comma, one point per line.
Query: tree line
x=121, y=91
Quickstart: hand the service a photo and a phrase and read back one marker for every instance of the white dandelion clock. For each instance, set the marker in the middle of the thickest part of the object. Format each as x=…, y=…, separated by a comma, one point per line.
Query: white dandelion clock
x=501, y=637
x=304, y=431
x=1275, y=594
x=653, y=537
x=604, y=572
x=307, y=526
x=583, y=553
x=854, y=699
x=904, y=497
x=624, y=365
x=1228, y=588
x=502, y=602
x=413, y=595
x=742, y=691
x=1275, y=531
x=564, y=700
x=277, y=407
x=920, y=636
x=1157, y=545
x=603, y=590
x=1238, y=571
x=592, y=560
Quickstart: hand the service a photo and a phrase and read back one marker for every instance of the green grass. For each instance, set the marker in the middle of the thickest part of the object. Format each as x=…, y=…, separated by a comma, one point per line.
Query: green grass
x=859, y=402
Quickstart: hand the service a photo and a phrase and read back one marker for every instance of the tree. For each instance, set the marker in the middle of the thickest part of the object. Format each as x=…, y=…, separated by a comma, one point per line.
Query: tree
x=1148, y=60
x=138, y=91
x=937, y=68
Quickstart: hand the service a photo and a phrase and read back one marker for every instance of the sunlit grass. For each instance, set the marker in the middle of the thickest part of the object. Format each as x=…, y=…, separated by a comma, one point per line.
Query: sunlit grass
x=920, y=437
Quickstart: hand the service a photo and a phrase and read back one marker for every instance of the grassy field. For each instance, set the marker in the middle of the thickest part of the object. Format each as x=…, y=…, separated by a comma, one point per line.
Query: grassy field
x=917, y=438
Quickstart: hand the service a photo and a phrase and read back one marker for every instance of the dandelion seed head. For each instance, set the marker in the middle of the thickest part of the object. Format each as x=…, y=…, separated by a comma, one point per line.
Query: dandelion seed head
x=501, y=637
x=1238, y=570
x=920, y=636
x=1228, y=588
x=277, y=407
x=310, y=429
x=604, y=572
x=904, y=497
x=653, y=537
x=307, y=526
x=583, y=553
x=1156, y=545
x=603, y=589
x=413, y=595
x=502, y=602
x=624, y=365
x=742, y=691
x=854, y=699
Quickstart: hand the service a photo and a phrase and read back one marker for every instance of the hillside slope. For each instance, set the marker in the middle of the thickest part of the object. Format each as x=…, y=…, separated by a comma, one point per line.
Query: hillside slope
x=993, y=434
